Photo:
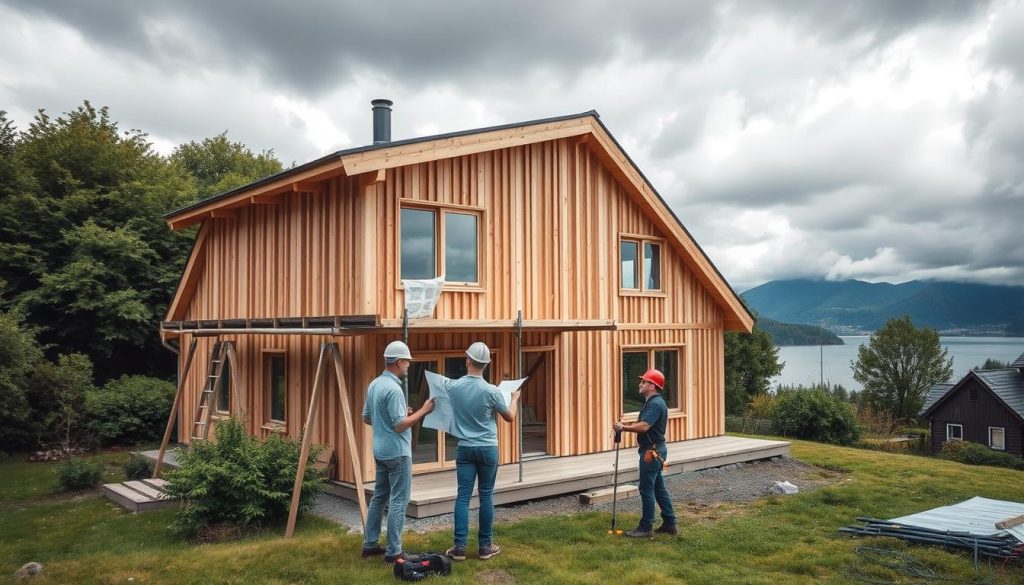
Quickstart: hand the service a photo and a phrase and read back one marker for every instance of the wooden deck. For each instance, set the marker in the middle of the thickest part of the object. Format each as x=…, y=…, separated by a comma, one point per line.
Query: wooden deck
x=139, y=495
x=434, y=493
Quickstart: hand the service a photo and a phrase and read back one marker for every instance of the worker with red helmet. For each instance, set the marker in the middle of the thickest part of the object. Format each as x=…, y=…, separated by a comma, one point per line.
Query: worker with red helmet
x=650, y=437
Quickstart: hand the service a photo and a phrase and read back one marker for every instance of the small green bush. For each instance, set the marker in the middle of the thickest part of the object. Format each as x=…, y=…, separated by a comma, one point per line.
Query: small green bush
x=239, y=481
x=816, y=415
x=138, y=467
x=78, y=474
x=130, y=409
x=978, y=454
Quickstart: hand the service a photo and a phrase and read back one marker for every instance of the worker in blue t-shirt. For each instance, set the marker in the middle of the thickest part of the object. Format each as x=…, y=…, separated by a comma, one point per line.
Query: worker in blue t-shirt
x=474, y=404
x=386, y=411
x=650, y=437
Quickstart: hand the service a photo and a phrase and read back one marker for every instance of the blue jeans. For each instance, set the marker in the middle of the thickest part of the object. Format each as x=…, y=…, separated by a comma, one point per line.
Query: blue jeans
x=394, y=478
x=652, y=488
x=472, y=463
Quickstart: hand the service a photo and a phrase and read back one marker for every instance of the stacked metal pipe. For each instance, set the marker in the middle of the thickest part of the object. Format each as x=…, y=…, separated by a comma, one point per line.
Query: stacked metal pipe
x=1000, y=546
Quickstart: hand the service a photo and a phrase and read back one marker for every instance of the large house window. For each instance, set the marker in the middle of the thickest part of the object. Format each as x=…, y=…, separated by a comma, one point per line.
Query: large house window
x=440, y=241
x=997, y=438
x=954, y=432
x=637, y=361
x=275, y=392
x=640, y=265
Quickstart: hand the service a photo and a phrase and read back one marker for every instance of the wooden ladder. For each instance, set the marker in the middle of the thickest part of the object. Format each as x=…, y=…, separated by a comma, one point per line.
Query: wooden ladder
x=214, y=378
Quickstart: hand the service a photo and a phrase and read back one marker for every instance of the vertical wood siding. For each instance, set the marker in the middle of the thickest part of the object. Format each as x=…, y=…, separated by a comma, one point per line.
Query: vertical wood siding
x=552, y=216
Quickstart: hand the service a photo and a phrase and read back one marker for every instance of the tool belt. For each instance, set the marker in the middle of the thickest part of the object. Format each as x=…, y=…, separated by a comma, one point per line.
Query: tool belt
x=651, y=454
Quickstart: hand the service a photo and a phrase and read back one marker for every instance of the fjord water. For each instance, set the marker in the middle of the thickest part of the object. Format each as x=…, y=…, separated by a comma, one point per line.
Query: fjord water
x=803, y=363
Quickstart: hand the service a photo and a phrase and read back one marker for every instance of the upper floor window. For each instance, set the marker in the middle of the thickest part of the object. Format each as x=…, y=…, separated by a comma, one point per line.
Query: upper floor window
x=640, y=264
x=440, y=241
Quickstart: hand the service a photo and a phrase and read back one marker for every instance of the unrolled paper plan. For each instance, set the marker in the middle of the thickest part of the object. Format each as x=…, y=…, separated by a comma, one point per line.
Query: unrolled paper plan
x=441, y=417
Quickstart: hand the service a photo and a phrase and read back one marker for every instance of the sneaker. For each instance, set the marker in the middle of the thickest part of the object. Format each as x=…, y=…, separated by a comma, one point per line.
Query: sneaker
x=372, y=551
x=668, y=529
x=489, y=551
x=390, y=559
x=456, y=553
x=640, y=533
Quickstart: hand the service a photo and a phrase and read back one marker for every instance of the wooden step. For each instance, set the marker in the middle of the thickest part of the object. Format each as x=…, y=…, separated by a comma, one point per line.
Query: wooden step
x=605, y=495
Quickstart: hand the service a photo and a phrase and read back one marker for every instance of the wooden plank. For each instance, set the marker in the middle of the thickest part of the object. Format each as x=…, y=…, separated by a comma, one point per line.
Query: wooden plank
x=328, y=169
x=190, y=276
x=1010, y=522
x=175, y=408
x=307, y=440
x=461, y=146
x=267, y=199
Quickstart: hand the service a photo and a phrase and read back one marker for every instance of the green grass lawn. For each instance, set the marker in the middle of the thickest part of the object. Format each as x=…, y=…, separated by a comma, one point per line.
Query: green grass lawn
x=81, y=538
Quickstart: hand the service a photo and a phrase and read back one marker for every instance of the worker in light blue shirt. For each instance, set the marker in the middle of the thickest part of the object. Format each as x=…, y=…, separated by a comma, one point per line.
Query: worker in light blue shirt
x=386, y=411
x=474, y=405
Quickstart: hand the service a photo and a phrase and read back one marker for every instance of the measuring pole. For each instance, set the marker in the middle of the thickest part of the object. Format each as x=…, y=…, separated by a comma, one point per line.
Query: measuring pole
x=519, y=375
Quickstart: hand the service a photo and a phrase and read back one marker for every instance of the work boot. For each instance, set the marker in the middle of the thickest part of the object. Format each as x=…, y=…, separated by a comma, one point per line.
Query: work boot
x=638, y=533
x=390, y=559
x=456, y=553
x=667, y=529
x=489, y=551
x=372, y=551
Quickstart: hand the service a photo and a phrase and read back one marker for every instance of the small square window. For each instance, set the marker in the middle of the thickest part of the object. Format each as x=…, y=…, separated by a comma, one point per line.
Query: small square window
x=639, y=265
x=954, y=432
x=997, y=438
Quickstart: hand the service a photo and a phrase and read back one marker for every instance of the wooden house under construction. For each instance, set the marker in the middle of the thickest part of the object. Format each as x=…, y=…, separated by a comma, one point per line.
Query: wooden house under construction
x=548, y=219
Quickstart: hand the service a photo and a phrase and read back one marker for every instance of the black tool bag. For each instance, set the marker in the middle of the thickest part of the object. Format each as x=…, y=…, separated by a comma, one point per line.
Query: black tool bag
x=416, y=568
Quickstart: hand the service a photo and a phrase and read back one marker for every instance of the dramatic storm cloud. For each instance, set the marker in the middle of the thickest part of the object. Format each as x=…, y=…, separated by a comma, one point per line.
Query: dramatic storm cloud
x=874, y=140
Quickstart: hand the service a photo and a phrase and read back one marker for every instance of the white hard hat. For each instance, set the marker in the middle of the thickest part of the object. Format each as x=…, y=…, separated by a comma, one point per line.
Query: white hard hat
x=397, y=350
x=479, y=352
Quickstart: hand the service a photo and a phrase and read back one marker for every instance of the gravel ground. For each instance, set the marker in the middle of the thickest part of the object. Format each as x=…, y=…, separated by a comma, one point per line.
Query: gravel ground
x=695, y=493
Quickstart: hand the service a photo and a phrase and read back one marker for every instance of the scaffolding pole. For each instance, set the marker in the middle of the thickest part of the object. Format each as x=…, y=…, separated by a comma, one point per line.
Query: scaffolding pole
x=519, y=375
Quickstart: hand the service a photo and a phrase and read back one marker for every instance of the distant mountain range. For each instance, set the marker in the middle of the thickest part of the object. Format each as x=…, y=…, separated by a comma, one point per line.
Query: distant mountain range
x=853, y=307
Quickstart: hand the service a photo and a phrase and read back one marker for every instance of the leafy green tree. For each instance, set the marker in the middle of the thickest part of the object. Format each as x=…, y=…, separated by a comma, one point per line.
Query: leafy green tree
x=90, y=260
x=218, y=165
x=72, y=381
x=751, y=361
x=899, y=365
x=19, y=354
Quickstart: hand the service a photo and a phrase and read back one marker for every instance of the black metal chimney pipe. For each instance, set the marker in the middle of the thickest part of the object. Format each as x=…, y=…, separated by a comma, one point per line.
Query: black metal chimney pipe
x=381, y=120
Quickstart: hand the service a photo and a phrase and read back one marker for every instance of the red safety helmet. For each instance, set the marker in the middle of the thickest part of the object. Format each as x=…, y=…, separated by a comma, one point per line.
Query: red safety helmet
x=654, y=377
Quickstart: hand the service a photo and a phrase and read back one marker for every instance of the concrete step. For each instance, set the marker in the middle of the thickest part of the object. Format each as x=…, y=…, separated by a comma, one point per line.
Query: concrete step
x=606, y=495
x=132, y=498
x=155, y=483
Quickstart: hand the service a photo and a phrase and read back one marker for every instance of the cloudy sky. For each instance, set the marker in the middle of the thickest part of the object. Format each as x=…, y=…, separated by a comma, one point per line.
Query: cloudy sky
x=878, y=140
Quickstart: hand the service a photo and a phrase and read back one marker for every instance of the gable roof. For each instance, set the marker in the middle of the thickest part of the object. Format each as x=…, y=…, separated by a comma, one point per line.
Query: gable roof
x=1007, y=384
x=1019, y=362
x=586, y=127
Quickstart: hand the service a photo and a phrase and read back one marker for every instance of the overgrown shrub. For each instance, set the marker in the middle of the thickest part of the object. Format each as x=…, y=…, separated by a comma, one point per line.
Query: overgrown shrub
x=816, y=415
x=78, y=474
x=978, y=454
x=239, y=481
x=130, y=409
x=138, y=467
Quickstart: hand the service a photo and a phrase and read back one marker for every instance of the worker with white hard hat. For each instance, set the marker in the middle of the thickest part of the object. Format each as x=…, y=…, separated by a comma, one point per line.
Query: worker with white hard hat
x=474, y=404
x=391, y=418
